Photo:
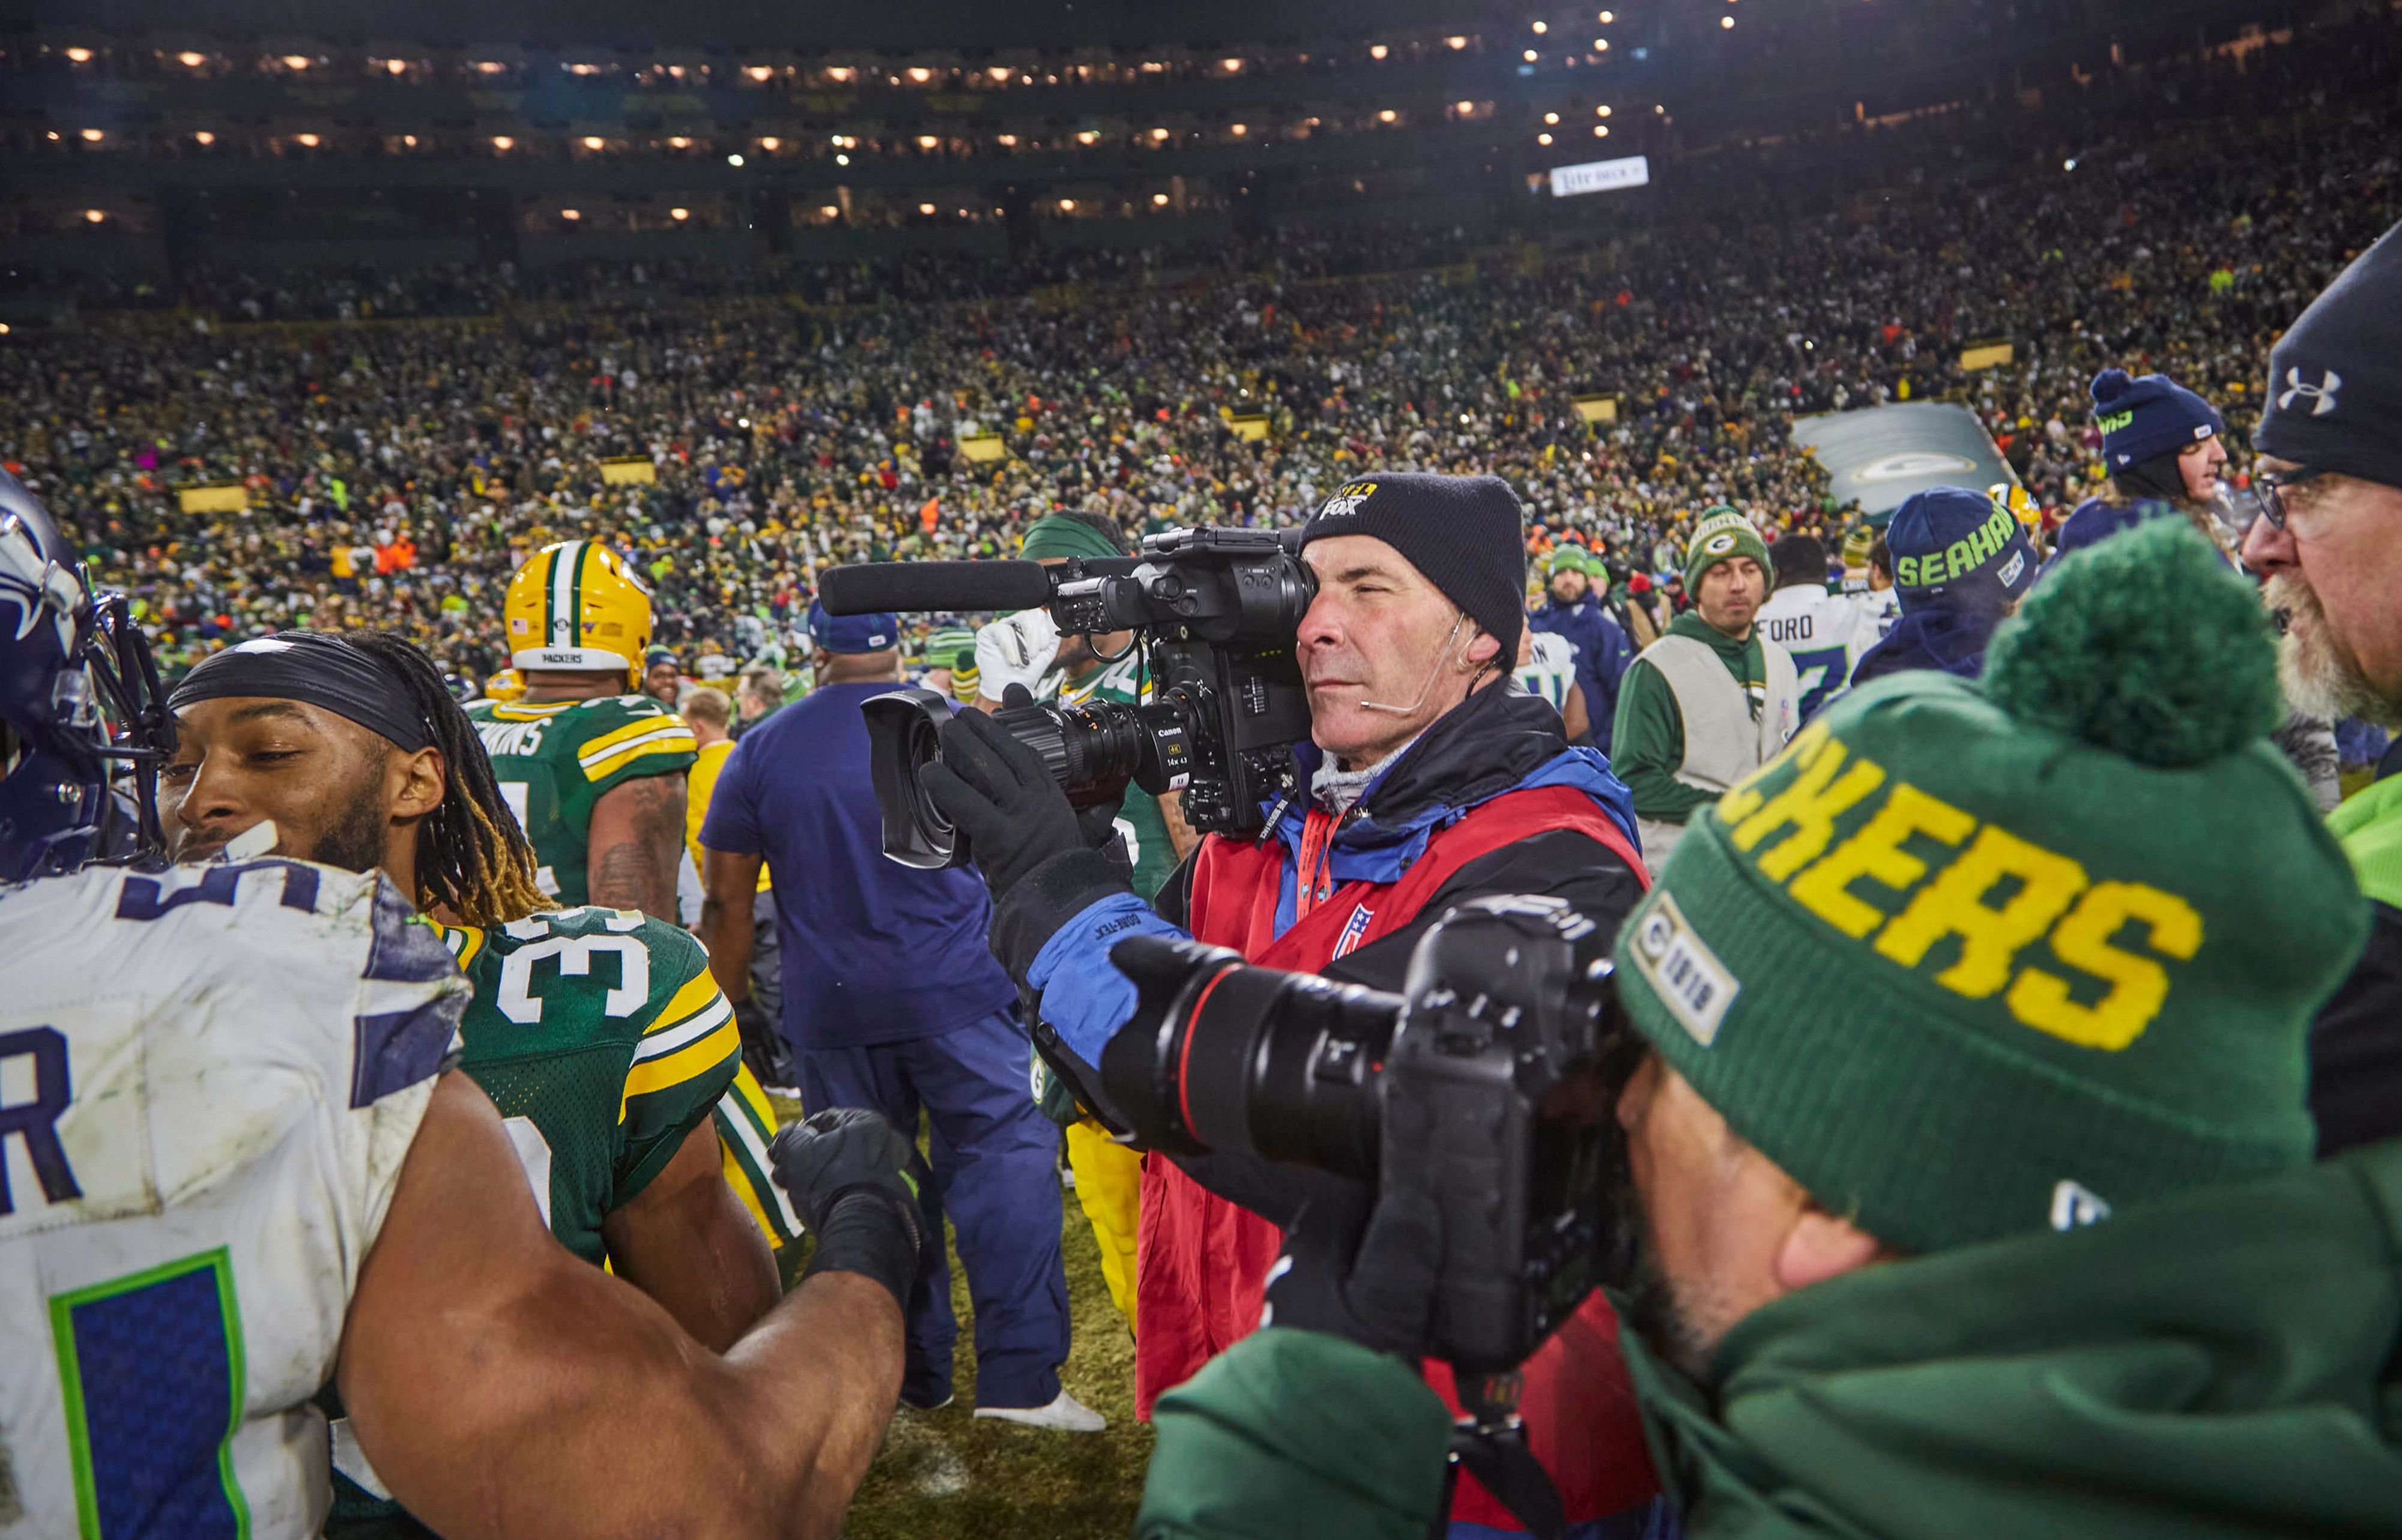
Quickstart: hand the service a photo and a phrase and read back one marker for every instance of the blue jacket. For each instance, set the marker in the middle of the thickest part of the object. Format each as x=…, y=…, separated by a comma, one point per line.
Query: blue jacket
x=1603, y=653
x=1496, y=741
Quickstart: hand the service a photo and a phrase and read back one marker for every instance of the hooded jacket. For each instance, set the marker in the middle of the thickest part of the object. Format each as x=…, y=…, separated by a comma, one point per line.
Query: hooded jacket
x=2222, y=1365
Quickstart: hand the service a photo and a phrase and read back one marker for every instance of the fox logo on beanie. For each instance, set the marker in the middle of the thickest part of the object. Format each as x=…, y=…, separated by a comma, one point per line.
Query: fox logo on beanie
x=1964, y=949
x=1466, y=535
x=2335, y=378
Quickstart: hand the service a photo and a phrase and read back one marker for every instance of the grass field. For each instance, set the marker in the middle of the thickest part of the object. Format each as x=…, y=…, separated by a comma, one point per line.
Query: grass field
x=945, y=1474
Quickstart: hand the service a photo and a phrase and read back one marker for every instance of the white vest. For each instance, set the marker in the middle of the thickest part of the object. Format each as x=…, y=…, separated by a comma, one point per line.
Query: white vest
x=1723, y=743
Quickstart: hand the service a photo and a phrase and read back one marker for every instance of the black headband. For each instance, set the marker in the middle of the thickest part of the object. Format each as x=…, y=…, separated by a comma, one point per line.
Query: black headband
x=318, y=670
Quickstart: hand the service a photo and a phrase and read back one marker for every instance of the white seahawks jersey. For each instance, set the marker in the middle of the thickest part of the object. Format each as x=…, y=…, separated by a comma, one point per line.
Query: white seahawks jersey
x=208, y=1078
x=1550, y=670
x=1825, y=632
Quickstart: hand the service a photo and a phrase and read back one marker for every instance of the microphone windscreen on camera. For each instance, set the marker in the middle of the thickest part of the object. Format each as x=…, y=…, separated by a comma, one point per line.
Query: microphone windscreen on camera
x=875, y=588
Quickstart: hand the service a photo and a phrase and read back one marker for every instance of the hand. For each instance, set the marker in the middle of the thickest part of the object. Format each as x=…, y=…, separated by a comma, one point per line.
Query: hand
x=1000, y=795
x=829, y=1155
x=1016, y=649
x=1376, y=1288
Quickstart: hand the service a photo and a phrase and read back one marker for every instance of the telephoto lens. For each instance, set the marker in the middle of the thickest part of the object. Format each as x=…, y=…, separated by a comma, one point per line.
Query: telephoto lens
x=1221, y=1055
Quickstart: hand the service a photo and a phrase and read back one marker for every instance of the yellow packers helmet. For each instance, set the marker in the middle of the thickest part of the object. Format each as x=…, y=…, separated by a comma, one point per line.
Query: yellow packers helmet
x=2018, y=500
x=507, y=685
x=578, y=606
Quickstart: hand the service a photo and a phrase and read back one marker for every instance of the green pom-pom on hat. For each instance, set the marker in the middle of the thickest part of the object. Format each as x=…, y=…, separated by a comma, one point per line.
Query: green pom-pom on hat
x=2145, y=645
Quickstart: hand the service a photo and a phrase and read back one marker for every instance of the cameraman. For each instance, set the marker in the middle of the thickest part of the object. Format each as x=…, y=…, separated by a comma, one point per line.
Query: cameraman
x=1970, y=1156
x=1429, y=781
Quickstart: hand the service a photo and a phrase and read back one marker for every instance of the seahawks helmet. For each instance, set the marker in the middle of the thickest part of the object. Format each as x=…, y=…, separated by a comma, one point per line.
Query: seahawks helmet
x=71, y=663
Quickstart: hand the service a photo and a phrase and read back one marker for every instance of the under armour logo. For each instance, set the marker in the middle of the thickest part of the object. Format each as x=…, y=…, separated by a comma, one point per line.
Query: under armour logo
x=2322, y=395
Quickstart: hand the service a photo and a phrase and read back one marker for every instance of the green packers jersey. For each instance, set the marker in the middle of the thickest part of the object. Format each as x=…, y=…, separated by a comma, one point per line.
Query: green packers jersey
x=604, y=1042
x=1138, y=817
x=555, y=760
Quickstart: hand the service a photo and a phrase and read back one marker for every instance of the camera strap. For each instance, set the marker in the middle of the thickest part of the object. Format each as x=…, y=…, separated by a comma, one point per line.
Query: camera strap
x=1499, y=1457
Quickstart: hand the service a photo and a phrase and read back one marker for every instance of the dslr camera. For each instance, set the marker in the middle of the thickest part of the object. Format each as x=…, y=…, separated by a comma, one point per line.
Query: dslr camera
x=1491, y=1083
x=1216, y=611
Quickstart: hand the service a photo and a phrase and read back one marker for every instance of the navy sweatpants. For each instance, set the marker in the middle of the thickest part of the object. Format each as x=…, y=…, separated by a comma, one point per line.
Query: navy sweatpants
x=994, y=1156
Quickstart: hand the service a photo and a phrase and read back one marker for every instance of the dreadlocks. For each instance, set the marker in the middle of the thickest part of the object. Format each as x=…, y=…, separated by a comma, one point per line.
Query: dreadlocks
x=472, y=858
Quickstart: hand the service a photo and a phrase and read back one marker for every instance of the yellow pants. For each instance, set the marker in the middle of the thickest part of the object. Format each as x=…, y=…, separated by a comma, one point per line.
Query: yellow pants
x=1109, y=1183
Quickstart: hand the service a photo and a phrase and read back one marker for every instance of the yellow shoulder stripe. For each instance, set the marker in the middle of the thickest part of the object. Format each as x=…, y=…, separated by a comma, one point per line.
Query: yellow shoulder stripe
x=630, y=731
x=464, y=941
x=688, y=1063
x=669, y=740
x=695, y=996
x=516, y=712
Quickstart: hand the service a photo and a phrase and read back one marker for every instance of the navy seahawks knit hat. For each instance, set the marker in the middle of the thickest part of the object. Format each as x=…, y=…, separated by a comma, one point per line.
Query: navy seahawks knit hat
x=852, y=633
x=1959, y=546
x=1464, y=534
x=2335, y=378
x=2143, y=418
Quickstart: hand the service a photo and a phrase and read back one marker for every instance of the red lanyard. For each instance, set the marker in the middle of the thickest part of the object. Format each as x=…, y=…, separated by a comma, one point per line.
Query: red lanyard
x=1313, y=882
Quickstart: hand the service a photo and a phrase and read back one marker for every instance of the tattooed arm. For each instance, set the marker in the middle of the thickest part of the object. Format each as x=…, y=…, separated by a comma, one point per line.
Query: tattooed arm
x=636, y=838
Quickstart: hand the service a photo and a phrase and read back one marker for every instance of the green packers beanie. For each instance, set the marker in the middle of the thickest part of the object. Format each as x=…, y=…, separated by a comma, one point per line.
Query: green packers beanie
x=1972, y=960
x=1723, y=533
x=1059, y=535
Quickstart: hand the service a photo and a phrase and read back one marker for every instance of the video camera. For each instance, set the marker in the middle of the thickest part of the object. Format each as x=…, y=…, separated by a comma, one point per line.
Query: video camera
x=1491, y=1081
x=1217, y=610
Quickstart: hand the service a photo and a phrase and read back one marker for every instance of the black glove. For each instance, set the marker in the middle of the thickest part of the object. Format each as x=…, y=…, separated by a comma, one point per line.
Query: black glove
x=1375, y=1287
x=854, y=1178
x=1002, y=796
x=1036, y=852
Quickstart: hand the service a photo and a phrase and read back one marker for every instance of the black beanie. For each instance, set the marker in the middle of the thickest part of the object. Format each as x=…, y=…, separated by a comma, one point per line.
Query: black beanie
x=2335, y=378
x=1466, y=535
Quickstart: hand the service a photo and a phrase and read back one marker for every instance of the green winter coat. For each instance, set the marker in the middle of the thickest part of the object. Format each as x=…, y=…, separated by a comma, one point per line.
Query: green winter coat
x=2219, y=1365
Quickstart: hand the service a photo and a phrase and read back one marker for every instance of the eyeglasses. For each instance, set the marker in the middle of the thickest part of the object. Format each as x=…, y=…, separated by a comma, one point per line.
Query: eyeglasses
x=2266, y=492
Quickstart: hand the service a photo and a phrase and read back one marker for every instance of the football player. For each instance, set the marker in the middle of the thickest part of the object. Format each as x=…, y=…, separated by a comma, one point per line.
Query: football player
x=245, y=1174
x=598, y=1033
x=592, y=767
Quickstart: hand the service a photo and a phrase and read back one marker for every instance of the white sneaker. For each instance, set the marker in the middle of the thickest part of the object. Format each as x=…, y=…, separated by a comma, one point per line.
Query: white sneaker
x=1065, y=1414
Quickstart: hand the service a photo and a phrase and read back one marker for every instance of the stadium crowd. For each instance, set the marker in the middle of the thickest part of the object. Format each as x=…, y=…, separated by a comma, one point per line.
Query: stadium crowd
x=396, y=474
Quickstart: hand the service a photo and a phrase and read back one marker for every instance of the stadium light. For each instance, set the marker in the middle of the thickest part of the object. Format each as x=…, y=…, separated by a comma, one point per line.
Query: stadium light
x=4, y=328
x=1551, y=117
x=734, y=160
x=570, y=214
x=308, y=141
x=926, y=141
x=1726, y=21
x=204, y=137
x=295, y=61
x=504, y=144
x=593, y=141
x=1601, y=45
x=396, y=66
x=2069, y=164
x=1602, y=110
x=1158, y=200
x=679, y=142
x=1232, y=66
x=829, y=210
x=1386, y=115
x=1607, y=17
x=771, y=144
x=1542, y=139
x=1378, y=51
x=191, y=61
x=925, y=208
x=1007, y=141
x=1455, y=44
x=93, y=216
x=999, y=74
x=1463, y=108
x=839, y=159
x=760, y=72
x=1066, y=205
x=93, y=136
x=679, y=215
x=1529, y=56
x=409, y=140
x=1541, y=28
x=1085, y=136
x=1238, y=130
x=921, y=75
x=1159, y=133
x=1601, y=131
x=81, y=56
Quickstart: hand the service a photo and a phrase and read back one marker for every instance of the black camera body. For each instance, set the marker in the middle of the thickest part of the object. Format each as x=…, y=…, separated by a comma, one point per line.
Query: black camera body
x=1217, y=610
x=1490, y=1083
